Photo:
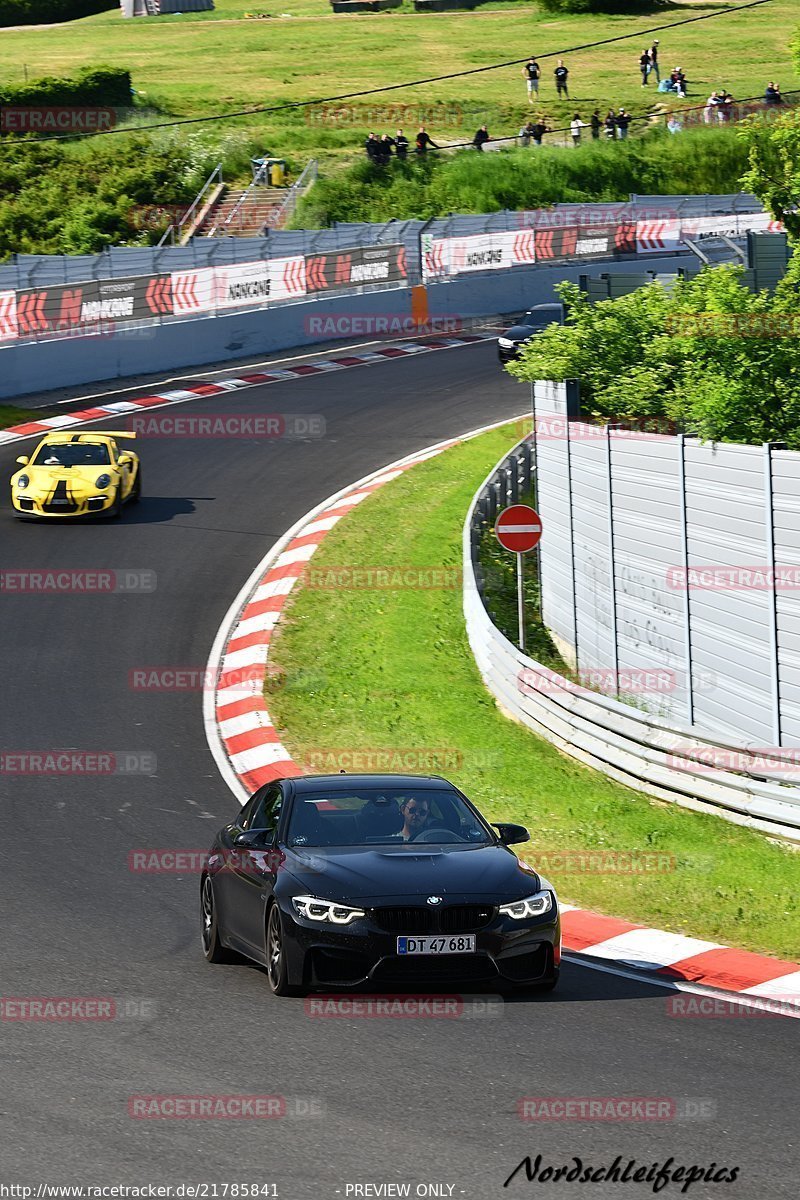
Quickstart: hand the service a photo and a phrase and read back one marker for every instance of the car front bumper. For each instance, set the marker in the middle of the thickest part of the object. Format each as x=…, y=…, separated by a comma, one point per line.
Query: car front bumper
x=38, y=506
x=506, y=951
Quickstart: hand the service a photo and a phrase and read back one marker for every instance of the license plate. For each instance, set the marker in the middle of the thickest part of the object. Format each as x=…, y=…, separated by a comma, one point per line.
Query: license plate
x=463, y=943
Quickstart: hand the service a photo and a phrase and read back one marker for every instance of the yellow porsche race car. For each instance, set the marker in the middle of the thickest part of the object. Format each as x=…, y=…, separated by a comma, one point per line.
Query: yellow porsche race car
x=76, y=475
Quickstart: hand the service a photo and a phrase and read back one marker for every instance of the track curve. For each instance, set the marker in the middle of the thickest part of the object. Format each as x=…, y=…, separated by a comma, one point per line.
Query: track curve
x=418, y=1102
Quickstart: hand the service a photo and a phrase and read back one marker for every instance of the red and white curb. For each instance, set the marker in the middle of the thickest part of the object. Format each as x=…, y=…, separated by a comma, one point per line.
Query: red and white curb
x=249, y=753
x=255, y=379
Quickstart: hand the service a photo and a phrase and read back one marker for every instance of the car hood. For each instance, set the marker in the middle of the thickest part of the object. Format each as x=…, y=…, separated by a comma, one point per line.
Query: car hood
x=77, y=479
x=410, y=873
x=519, y=333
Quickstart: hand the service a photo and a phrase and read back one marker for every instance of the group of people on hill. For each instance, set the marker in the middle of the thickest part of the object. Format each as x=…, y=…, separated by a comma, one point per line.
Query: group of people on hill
x=380, y=149
x=613, y=127
x=532, y=74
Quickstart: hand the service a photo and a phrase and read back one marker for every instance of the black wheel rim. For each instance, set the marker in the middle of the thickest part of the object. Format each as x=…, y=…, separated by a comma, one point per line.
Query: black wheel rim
x=274, y=948
x=207, y=905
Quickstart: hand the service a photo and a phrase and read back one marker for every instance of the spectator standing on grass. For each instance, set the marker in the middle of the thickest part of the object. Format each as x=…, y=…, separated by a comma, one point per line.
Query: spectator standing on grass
x=538, y=130
x=531, y=73
x=372, y=148
x=424, y=141
x=481, y=138
x=725, y=107
x=654, y=60
x=709, y=110
x=772, y=95
x=623, y=121
x=526, y=133
x=401, y=145
x=610, y=125
x=675, y=124
x=596, y=125
x=386, y=147
x=575, y=127
x=562, y=75
x=644, y=66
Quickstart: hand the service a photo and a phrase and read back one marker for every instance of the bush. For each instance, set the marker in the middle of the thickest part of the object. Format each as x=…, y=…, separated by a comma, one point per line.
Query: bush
x=601, y=6
x=709, y=357
x=49, y=12
x=93, y=85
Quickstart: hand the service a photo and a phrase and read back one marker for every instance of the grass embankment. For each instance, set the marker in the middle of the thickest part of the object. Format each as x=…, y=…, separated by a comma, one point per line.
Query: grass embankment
x=696, y=161
x=395, y=670
x=16, y=416
x=197, y=63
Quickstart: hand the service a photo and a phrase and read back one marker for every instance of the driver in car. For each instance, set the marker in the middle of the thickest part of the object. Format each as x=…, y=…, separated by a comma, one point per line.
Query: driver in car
x=416, y=815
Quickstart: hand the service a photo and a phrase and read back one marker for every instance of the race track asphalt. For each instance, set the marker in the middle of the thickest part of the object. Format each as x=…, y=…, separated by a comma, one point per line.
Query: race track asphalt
x=397, y=1101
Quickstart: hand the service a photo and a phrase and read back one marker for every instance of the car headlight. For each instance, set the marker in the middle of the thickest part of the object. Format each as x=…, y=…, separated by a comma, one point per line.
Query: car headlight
x=506, y=343
x=314, y=909
x=23, y=482
x=103, y=481
x=531, y=906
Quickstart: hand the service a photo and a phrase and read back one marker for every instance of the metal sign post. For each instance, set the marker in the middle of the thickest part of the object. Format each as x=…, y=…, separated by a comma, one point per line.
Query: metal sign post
x=519, y=528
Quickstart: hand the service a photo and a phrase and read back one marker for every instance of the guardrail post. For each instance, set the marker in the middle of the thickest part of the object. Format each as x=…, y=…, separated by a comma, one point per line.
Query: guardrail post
x=769, y=518
x=513, y=479
x=687, y=598
x=491, y=497
x=611, y=556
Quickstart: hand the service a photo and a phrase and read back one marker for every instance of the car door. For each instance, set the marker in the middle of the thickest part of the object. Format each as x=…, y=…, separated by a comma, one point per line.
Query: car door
x=250, y=871
x=124, y=465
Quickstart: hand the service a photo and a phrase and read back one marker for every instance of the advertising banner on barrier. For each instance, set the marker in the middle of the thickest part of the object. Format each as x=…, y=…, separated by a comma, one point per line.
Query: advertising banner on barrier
x=654, y=237
x=340, y=269
x=94, y=303
x=288, y=277
x=193, y=291
x=244, y=284
x=585, y=241
x=477, y=252
x=8, y=316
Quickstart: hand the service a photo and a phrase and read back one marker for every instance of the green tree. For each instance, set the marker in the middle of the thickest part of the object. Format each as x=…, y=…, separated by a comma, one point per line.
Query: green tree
x=708, y=356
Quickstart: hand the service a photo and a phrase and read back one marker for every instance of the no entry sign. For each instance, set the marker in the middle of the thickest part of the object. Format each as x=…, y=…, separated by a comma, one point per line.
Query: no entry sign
x=518, y=528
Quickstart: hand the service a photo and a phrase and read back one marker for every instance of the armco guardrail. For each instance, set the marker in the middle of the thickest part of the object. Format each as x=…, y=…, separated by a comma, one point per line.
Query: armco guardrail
x=671, y=761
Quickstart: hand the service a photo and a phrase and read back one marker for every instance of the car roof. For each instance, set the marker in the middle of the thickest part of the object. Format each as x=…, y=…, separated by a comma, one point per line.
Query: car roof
x=342, y=782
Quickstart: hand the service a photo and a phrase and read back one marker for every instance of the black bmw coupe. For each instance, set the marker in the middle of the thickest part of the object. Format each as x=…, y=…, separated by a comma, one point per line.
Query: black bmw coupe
x=335, y=881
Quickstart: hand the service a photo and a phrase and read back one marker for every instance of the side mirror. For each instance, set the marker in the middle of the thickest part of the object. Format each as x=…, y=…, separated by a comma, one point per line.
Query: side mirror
x=254, y=839
x=511, y=834
x=23, y=460
x=124, y=460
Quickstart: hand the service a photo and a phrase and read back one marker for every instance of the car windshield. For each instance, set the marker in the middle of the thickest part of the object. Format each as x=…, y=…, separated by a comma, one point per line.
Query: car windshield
x=72, y=454
x=391, y=815
x=540, y=320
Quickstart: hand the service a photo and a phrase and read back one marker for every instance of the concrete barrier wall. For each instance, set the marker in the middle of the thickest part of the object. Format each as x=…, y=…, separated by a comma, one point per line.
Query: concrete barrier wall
x=42, y=366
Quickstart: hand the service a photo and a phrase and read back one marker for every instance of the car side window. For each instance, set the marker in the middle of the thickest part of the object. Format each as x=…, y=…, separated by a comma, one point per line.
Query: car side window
x=264, y=809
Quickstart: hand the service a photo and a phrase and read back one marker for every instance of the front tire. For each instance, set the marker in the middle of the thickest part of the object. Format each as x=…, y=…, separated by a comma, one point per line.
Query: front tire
x=213, y=948
x=277, y=967
x=136, y=490
x=115, y=512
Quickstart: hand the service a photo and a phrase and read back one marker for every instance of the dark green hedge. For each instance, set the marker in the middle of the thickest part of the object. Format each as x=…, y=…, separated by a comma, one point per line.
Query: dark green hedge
x=600, y=6
x=48, y=12
x=106, y=86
